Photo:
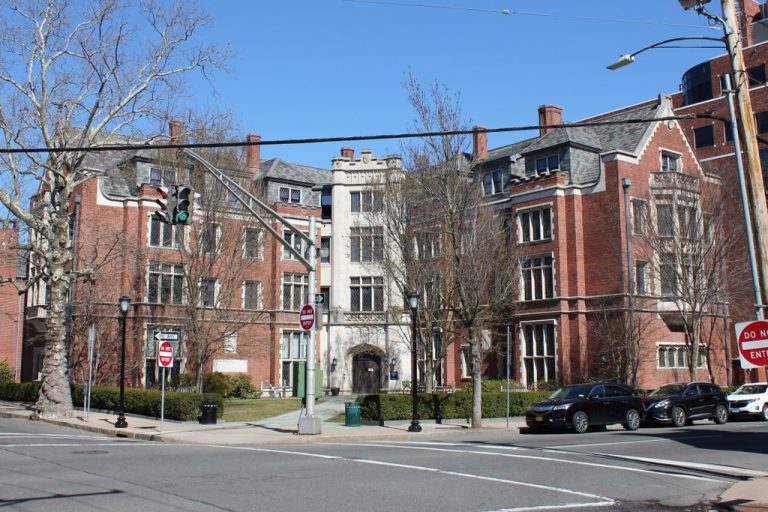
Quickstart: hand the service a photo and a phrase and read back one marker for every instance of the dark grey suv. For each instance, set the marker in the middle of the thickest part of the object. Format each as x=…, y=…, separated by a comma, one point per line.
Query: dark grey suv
x=679, y=404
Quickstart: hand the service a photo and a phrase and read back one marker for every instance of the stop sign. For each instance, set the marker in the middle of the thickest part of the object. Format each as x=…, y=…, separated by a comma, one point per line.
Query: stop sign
x=165, y=355
x=753, y=343
x=307, y=318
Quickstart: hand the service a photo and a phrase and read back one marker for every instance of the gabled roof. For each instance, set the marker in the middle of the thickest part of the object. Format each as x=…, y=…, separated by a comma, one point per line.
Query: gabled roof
x=279, y=169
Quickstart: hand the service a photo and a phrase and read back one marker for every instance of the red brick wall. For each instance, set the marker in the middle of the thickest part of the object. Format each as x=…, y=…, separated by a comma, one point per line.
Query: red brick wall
x=10, y=300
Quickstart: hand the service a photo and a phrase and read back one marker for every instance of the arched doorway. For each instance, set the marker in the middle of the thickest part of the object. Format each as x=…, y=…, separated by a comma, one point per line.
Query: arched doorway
x=366, y=369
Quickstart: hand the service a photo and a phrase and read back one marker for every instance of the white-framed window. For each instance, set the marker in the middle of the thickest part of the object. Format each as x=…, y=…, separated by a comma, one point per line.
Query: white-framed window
x=366, y=201
x=164, y=235
x=162, y=177
x=427, y=245
x=293, y=350
x=165, y=283
x=230, y=343
x=297, y=243
x=208, y=292
x=539, y=351
x=253, y=243
x=671, y=162
x=673, y=357
x=493, y=183
x=366, y=293
x=638, y=216
x=535, y=224
x=295, y=291
x=253, y=295
x=466, y=362
x=538, y=278
x=641, y=277
x=290, y=195
x=366, y=244
x=209, y=238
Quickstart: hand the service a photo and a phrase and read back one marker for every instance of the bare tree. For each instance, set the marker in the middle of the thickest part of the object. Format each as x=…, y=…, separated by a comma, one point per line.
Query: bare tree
x=104, y=68
x=689, y=242
x=452, y=245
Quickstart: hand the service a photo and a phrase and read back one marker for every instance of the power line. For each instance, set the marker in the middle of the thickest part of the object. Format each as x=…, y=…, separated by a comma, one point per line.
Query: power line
x=281, y=142
x=508, y=12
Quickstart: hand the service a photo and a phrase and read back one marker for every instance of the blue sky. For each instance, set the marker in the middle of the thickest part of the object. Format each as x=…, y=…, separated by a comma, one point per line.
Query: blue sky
x=319, y=68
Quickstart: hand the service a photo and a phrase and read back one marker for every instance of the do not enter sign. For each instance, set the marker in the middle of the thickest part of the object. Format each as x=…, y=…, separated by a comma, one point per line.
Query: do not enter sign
x=753, y=343
x=165, y=355
x=307, y=318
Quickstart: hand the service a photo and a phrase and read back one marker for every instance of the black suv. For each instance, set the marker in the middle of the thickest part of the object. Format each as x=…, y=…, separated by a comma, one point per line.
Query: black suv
x=679, y=404
x=583, y=405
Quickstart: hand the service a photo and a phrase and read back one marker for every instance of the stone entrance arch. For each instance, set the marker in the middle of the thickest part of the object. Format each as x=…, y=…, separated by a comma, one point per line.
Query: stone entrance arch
x=366, y=368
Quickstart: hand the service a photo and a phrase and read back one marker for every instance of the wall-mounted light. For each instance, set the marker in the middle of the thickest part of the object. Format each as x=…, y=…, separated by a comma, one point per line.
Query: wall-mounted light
x=333, y=364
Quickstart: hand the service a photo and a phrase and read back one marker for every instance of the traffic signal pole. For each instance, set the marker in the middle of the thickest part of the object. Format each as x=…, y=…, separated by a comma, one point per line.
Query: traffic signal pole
x=309, y=424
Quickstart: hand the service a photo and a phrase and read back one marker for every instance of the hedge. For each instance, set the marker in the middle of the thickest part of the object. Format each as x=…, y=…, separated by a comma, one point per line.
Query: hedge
x=144, y=402
x=391, y=407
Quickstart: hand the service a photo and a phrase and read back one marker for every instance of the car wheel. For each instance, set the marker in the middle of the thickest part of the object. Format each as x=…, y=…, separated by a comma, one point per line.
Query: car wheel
x=765, y=412
x=679, y=417
x=632, y=420
x=721, y=414
x=580, y=422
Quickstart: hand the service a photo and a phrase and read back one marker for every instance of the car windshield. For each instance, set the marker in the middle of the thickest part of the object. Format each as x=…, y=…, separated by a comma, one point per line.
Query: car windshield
x=570, y=392
x=751, y=389
x=669, y=389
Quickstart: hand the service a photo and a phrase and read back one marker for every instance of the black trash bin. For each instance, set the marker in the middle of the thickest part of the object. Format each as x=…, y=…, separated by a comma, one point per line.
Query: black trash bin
x=334, y=391
x=208, y=412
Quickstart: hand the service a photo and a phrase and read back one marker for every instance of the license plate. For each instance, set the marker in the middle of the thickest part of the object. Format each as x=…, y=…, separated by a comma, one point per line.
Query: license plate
x=539, y=418
x=735, y=411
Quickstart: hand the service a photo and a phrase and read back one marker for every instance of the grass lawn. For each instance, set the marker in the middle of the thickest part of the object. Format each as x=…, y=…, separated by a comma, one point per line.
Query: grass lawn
x=258, y=409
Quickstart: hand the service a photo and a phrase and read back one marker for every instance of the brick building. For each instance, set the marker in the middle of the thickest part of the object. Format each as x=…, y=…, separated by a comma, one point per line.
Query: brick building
x=11, y=302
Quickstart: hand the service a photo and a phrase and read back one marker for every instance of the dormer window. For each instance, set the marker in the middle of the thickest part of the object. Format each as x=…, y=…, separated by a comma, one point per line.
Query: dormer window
x=162, y=177
x=547, y=164
x=290, y=195
x=493, y=183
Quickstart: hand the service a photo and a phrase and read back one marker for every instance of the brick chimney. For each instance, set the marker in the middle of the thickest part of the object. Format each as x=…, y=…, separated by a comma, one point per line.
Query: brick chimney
x=348, y=153
x=479, y=143
x=253, y=153
x=548, y=115
x=176, y=130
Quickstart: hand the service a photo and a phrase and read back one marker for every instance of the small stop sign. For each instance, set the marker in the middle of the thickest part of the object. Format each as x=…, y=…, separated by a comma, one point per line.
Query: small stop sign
x=753, y=343
x=165, y=355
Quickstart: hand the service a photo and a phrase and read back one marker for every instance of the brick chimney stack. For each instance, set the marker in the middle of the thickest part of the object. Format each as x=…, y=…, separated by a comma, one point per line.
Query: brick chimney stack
x=348, y=153
x=253, y=153
x=479, y=143
x=548, y=115
x=176, y=131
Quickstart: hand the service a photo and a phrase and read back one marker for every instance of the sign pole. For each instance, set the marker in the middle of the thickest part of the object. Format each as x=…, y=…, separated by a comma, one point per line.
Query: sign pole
x=87, y=397
x=309, y=424
x=162, y=402
x=507, y=358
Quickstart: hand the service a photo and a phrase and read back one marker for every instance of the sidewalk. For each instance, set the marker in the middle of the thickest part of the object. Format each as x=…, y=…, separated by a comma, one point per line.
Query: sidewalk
x=745, y=496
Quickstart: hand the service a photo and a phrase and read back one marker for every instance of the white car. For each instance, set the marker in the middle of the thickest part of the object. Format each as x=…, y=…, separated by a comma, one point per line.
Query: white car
x=750, y=400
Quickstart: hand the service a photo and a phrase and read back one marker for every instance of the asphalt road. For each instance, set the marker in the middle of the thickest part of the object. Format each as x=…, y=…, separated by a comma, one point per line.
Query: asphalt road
x=44, y=467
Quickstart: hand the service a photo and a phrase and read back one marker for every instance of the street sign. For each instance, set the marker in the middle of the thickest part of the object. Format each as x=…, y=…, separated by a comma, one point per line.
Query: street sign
x=167, y=336
x=753, y=343
x=307, y=318
x=319, y=298
x=165, y=355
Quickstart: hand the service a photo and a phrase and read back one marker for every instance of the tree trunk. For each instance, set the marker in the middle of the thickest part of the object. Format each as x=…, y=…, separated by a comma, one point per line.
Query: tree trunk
x=55, y=399
x=477, y=385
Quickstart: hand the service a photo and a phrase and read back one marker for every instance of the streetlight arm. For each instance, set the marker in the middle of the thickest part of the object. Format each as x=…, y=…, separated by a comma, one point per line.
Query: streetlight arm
x=627, y=59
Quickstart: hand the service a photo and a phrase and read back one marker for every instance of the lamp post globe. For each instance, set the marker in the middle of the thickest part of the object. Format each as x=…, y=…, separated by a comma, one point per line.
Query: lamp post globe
x=413, y=301
x=125, y=304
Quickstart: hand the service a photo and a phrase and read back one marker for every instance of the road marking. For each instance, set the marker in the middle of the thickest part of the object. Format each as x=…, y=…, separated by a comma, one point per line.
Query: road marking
x=602, y=499
x=556, y=507
x=548, y=459
x=47, y=436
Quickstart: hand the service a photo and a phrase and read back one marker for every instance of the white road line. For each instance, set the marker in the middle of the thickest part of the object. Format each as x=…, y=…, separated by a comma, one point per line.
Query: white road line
x=556, y=507
x=550, y=459
x=47, y=436
x=602, y=499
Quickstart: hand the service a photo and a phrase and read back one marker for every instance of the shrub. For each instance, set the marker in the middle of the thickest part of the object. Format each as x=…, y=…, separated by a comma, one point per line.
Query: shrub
x=236, y=385
x=242, y=387
x=6, y=374
x=20, y=391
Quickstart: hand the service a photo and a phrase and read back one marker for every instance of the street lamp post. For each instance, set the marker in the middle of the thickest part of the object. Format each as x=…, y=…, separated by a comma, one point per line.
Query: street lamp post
x=125, y=303
x=413, y=301
x=630, y=285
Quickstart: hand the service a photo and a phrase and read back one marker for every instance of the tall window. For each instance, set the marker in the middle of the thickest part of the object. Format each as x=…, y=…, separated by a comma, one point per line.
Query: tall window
x=326, y=203
x=668, y=275
x=539, y=353
x=252, y=295
x=538, y=278
x=209, y=238
x=290, y=195
x=162, y=177
x=427, y=245
x=325, y=249
x=493, y=183
x=536, y=224
x=665, y=220
x=253, y=245
x=641, y=277
x=366, y=201
x=367, y=244
x=208, y=293
x=295, y=291
x=670, y=162
x=676, y=356
x=638, y=217
x=704, y=136
x=164, y=235
x=293, y=349
x=367, y=294
x=165, y=284
x=687, y=219
x=297, y=243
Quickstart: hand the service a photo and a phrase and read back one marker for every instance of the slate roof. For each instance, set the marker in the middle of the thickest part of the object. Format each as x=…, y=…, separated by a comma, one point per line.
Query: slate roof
x=279, y=169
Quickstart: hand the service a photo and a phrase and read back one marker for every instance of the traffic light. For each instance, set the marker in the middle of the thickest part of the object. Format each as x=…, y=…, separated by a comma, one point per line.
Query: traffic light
x=167, y=205
x=183, y=204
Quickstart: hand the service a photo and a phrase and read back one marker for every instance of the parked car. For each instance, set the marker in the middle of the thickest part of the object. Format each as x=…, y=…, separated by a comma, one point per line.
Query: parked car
x=750, y=400
x=680, y=404
x=581, y=406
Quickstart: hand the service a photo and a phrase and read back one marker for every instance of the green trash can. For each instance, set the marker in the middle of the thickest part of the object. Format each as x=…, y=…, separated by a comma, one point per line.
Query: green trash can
x=352, y=414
